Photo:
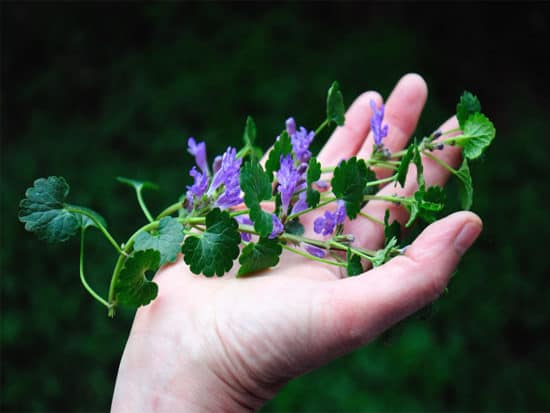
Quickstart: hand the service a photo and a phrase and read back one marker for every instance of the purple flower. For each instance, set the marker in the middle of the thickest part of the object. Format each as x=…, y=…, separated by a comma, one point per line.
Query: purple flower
x=300, y=140
x=378, y=131
x=229, y=168
x=300, y=144
x=217, y=164
x=231, y=195
x=243, y=219
x=288, y=178
x=300, y=205
x=315, y=251
x=199, y=186
x=277, y=227
x=325, y=224
x=198, y=150
x=290, y=126
x=340, y=214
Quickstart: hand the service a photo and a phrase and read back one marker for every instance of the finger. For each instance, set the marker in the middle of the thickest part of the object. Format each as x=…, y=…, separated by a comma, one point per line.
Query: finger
x=401, y=114
x=357, y=309
x=346, y=140
x=370, y=234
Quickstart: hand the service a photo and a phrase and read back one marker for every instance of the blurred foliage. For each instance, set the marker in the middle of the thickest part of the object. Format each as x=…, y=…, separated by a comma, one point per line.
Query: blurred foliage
x=92, y=91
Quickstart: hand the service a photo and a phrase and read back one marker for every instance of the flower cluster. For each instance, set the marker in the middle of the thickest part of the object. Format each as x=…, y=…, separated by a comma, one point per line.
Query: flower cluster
x=223, y=189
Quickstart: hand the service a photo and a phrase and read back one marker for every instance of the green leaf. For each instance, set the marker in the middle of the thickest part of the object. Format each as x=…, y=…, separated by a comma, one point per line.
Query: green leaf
x=256, y=185
x=44, y=212
x=392, y=230
x=417, y=160
x=348, y=184
x=354, y=266
x=213, y=251
x=468, y=105
x=384, y=255
x=466, y=190
x=335, y=105
x=426, y=204
x=249, y=135
x=478, y=132
x=259, y=256
x=282, y=146
x=313, y=175
x=132, y=288
x=294, y=227
x=404, y=165
x=137, y=185
x=167, y=240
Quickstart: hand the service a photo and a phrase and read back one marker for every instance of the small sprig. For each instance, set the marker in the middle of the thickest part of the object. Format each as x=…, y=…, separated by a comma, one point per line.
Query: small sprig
x=238, y=210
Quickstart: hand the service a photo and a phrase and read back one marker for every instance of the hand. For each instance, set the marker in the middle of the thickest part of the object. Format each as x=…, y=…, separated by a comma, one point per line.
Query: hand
x=226, y=344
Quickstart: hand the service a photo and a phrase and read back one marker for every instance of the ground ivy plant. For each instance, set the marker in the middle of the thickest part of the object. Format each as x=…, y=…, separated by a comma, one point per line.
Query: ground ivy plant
x=239, y=211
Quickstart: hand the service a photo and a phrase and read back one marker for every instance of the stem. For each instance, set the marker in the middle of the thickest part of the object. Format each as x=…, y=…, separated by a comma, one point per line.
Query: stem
x=382, y=181
x=305, y=211
x=450, y=131
x=99, y=225
x=321, y=127
x=370, y=217
x=399, y=154
x=384, y=198
x=313, y=257
x=440, y=162
x=329, y=244
x=455, y=139
x=83, y=279
x=239, y=212
x=328, y=169
x=243, y=152
x=170, y=210
x=143, y=206
x=383, y=164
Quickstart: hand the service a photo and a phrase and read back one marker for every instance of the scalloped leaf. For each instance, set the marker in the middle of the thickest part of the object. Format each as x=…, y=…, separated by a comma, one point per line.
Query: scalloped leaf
x=133, y=288
x=213, y=251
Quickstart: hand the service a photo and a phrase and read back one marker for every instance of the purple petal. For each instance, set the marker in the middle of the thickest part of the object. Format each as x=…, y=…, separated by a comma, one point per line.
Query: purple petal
x=277, y=227
x=230, y=167
x=291, y=126
x=340, y=214
x=300, y=144
x=325, y=224
x=300, y=205
x=288, y=178
x=198, y=150
x=199, y=186
x=244, y=219
x=379, y=131
x=315, y=251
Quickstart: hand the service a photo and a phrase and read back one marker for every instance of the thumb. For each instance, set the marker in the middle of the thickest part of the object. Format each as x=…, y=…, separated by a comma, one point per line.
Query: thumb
x=357, y=309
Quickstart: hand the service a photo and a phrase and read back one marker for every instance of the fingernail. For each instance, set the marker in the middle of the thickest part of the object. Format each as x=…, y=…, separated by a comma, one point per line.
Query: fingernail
x=466, y=237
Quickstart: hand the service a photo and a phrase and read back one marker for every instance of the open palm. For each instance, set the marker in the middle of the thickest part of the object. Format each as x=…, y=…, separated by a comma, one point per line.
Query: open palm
x=227, y=344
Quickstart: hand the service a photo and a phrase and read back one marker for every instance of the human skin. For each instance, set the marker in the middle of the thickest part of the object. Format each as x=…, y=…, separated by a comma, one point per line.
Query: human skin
x=227, y=344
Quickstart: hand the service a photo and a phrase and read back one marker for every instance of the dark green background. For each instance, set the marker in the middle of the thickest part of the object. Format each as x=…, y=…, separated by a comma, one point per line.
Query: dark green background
x=95, y=90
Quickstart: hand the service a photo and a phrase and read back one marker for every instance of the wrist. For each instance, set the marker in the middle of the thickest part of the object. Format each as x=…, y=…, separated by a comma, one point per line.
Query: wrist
x=158, y=375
